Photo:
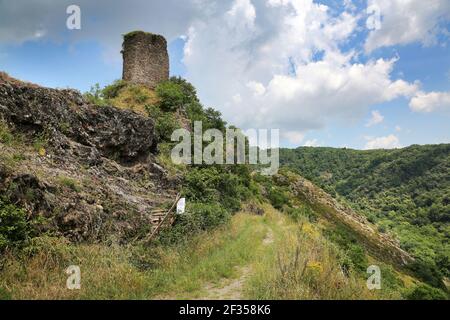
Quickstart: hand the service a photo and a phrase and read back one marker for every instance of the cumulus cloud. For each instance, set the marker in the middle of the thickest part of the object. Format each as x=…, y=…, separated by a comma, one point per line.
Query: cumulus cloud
x=312, y=143
x=408, y=21
x=375, y=119
x=431, y=101
x=284, y=61
x=294, y=137
x=263, y=63
x=102, y=20
x=388, y=142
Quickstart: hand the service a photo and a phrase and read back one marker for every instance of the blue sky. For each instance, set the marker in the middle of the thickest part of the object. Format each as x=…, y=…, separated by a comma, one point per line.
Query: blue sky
x=352, y=86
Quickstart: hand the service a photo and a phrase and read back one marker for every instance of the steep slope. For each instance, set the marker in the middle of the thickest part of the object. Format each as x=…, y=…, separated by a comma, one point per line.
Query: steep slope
x=81, y=183
x=378, y=244
x=88, y=171
x=405, y=191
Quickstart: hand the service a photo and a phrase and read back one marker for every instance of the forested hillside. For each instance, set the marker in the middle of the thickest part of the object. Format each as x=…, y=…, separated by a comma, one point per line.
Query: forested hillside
x=71, y=195
x=404, y=191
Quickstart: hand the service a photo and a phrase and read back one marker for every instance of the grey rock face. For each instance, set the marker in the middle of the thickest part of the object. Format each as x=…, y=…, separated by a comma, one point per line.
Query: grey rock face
x=98, y=179
x=116, y=134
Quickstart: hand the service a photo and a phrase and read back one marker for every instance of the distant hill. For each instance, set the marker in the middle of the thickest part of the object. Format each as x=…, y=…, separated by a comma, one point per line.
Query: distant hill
x=404, y=191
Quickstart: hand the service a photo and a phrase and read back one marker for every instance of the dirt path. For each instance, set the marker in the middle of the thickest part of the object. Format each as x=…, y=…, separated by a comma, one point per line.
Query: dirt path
x=228, y=289
x=233, y=289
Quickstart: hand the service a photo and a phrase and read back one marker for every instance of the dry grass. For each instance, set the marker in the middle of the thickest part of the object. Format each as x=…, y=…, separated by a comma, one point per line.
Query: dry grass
x=4, y=77
x=298, y=263
x=135, y=98
x=303, y=265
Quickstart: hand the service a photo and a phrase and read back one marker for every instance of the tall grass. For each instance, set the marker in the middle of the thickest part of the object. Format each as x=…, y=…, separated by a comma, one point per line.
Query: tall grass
x=297, y=263
x=117, y=272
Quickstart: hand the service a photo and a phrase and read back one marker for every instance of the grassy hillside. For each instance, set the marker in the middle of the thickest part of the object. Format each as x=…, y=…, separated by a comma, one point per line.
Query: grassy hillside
x=405, y=192
x=254, y=257
x=243, y=235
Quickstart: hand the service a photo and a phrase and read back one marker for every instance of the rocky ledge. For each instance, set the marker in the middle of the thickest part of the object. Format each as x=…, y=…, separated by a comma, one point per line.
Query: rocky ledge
x=90, y=171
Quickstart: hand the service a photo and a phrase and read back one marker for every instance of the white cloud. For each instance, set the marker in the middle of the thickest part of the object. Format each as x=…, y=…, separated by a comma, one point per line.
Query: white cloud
x=257, y=88
x=272, y=64
x=241, y=14
x=102, y=20
x=398, y=128
x=312, y=143
x=388, y=142
x=294, y=137
x=263, y=63
x=375, y=119
x=431, y=101
x=408, y=21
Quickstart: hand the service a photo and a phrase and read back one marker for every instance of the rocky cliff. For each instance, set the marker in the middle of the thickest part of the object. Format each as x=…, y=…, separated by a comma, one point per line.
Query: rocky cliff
x=90, y=171
x=380, y=245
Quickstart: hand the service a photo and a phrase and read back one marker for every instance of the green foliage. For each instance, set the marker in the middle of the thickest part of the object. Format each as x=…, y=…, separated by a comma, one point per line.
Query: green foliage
x=278, y=197
x=6, y=136
x=355, y=255
x=198, y=217
x=188, y=90
x=95, y=95
x=425, y=292
x=165, y=123
x=131, y=34
x=112, y=91
x=102, y=96
x=302, y=211
x=428, y=273
x=218, y=184
x=406, y=191
x=69, y=183
x=14, y=227
x=210, y=118
x=4, y=294
x=171, y=96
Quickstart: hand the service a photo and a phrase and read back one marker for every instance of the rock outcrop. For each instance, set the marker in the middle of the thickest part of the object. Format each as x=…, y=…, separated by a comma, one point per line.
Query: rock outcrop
x=117, y=134
x=378, y=244
x=89, y=170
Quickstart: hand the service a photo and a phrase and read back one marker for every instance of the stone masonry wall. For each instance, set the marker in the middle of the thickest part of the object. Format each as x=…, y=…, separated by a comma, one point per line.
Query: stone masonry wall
x=145, y=59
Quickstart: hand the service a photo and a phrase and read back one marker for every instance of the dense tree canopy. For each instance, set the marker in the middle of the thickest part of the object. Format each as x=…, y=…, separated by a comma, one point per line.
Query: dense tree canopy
x=405, y=191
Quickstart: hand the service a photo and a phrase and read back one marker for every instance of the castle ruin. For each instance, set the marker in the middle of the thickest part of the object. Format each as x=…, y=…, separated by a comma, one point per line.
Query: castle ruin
x=145, y=59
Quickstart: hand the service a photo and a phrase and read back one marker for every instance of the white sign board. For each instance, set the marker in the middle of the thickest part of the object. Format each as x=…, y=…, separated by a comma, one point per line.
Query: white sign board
x=181, y=206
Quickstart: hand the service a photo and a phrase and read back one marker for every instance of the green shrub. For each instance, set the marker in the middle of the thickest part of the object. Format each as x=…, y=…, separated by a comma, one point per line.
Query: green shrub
x=112, y=91
x=303, y=211
x=189, y=91
x=14, y=227
x=201, y=185
x=4, y=294
x=198, y=217
x=358, y=257
x=139, y=94
x=165, y=123
x=426, y=292
x=217, y=184
x=95, y=95
x=171, y=96
x=428, y=273
x=6, y=136
x=57, y=251
x=278, y=197
x=69, y=183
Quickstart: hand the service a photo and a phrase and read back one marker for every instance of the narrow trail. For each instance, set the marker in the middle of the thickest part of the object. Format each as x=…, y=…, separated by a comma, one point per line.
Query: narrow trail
x=233, y=289
x=228, y=289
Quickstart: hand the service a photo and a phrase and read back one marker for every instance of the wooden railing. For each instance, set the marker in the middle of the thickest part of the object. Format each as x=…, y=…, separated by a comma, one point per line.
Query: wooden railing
x=168, y=217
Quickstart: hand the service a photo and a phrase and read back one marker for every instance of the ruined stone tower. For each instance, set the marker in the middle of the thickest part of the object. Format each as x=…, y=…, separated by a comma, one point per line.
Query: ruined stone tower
x=145, y=58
